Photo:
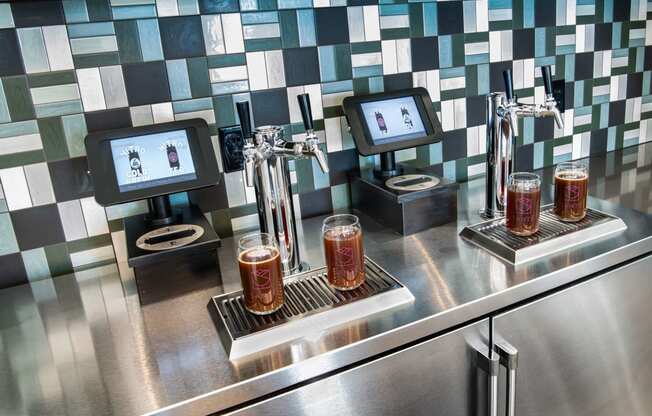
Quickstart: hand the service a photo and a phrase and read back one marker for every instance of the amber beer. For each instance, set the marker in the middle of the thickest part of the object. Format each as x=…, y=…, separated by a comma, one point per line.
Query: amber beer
x=571, y=190
x=260, y=270
x=344, y=251
x=523, y=204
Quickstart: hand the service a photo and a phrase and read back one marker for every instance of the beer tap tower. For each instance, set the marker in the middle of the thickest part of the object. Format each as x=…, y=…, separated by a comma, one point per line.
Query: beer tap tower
x=266, y=155
x=503, y=112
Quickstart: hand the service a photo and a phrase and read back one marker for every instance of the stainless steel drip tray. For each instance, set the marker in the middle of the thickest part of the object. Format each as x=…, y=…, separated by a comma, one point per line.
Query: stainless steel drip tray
x=311, y=306
x=553, y=235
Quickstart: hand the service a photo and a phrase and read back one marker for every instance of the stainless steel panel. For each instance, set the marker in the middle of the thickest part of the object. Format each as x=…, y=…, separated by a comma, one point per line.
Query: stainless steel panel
x=553, y=235
x=586, y=350
x=441, y=376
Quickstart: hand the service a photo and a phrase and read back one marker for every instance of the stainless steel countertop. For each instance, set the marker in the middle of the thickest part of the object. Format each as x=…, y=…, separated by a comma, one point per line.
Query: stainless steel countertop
x=81, y=344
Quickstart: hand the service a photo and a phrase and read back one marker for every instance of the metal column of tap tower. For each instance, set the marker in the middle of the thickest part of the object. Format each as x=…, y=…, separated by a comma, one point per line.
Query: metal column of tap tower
x=503, y=112
x=266, y=155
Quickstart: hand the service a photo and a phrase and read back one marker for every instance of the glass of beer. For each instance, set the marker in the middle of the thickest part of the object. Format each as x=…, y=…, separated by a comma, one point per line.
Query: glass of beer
x=571, y=189
x=523, y=203
x=260, y=270
x=344, y=251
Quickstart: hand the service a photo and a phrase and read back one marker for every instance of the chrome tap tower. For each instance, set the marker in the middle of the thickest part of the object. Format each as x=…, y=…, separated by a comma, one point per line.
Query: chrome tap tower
x=503, y=112
x=266, y=155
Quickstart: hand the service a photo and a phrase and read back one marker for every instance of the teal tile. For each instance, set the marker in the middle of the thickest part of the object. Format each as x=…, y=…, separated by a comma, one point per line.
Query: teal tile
x=540, y=41
x=58, y=259
x=483, y=79
x=53, y=138
x=128, y=41
x=335, y=63
x=229, y=87
x=150, y=40
x=430, y=19
x=36, y=264
x=192, y=105
x=6, y=17
x=289, y=29
x=368, y=71
x=4, y=108
x=449, y=170
x=294, y=4
x=188, y=7
x=32, y=47
x=260, y=17
x=224, y=113
x=134, y=12
x=58, y=108
x=18, y=98
x=608, y=11
x=539, y=154
x=306, y=25
x=198, y=73
x=445, y=51
x=8, y=243
x=178, y=79
x=611, y=139
x=75, y=11
x=74, y=128
x=222, y=61
x=83, y=30
x=303, y=168
x=19, y=128
x=340, y=196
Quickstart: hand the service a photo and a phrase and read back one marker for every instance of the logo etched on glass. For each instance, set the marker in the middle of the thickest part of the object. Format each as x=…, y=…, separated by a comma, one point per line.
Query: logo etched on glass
x=262, y=279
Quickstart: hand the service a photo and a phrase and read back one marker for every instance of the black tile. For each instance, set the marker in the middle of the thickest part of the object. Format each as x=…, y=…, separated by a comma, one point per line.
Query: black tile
x=209, y=199
x=331, y=25
x=545, y=13
x=218, y=6
x=569, y=95
x=425, y=53
x=37, y=227
x=270, y=107
x=301, y=66
x=476, y=110
x=396, y=82
x=524, y=161
x=635, y=85
x=617, y=112
x=622, y=10
x=584, y=66
x=544, y=129
x=524, y=44
x=602, y=37
x=496, y=81
x=182, y=37
x=70, y=179
x=37, y=13
x=339, y=163
x=316, y=203
x=599, y=140
x=99, y=10
x=450, y=18
x=146, y=83
x=453, y=145
x=13, y=271
x=108, y=119
x=12, y=61
x=647, y=64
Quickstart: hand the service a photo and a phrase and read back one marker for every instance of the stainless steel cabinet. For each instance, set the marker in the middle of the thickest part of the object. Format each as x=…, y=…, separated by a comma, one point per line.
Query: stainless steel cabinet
x=586, y=350
x=437, y=377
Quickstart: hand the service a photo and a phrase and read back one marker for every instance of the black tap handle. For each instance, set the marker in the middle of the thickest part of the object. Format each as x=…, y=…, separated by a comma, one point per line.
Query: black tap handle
x=306, y=113
x=509, y=85
x=547, y=79
x=245, y=121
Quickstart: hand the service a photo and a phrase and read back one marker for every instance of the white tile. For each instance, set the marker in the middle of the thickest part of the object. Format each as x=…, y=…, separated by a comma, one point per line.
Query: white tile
x=94, y=255
x=162, y=112
x=648, y=33
x=571, y=12
x=394, y=21
x=245, y=223
x=404, y=55
x=141, y=115
x=120, y=246
x=580, y=38
x=517, y=70
x=257, y=70
x=213, y=35
x=452, y=83
x=506, y=45
x=90, y=86
x=476, y=48
x=495, y=46
x=528, y=73
x=19, y=144
x=32, y=47
x=94, y=217
x=232, y=28
x=366, y=59
x=275, y=69
x=39, y=183
x=293, y=105
x=472, y=142
x=234, y=183
x=72, y=220
x=15, y=188
x=371, y=23
x=433, y=87
x=58, y=47
x=96, y=44
x=448, y=115
x=167, y=8
x=54, y=93
x=460, y=113
x=315, y=100
x=333, y=134
x=229, y=73
x=568, y=116
x=113, y=85
x=261, y=31
x=390, y=65
x=356, y=30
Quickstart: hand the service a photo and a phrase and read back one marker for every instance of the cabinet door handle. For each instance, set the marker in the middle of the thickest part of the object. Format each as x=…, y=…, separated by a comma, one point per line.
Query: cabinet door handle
x=508, y=359
x=490, y=365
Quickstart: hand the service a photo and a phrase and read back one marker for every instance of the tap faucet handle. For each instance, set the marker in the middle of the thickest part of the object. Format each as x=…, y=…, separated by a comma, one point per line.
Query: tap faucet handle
x=547, y=79
x=245, y=120
x=249, y=153
x=319, y=155
x=306, y=113
x=509, y=85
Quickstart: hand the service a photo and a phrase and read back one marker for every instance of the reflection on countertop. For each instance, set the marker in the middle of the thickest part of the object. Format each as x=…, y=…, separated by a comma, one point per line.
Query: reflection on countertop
x=82, y=344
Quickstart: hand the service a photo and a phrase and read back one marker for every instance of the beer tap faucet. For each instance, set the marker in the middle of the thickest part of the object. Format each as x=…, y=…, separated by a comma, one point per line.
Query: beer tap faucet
x=503, y=112
x=266, y=155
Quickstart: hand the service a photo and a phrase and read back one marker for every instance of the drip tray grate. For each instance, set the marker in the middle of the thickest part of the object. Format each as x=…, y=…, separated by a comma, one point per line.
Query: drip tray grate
x=553, y=235
x=310, y=305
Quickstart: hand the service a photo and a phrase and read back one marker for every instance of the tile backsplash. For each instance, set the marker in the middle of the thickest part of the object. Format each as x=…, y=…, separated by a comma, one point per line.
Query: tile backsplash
x=75, y=66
